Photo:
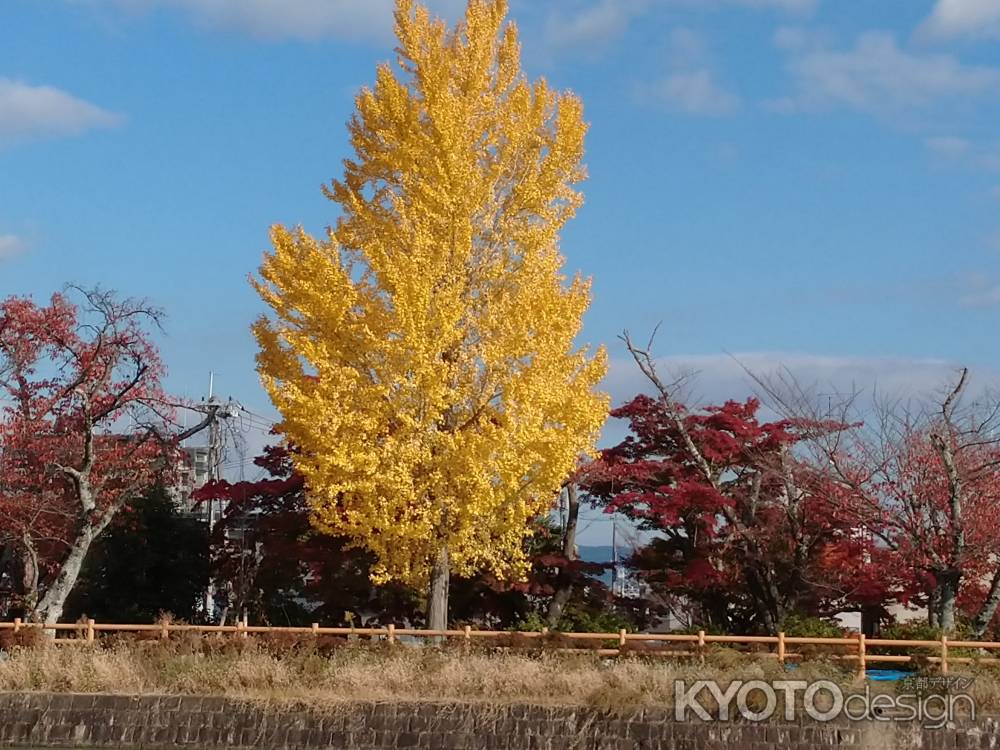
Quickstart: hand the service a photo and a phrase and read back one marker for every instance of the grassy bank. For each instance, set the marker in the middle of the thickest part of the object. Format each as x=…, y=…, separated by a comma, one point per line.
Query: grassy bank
x=270, y=672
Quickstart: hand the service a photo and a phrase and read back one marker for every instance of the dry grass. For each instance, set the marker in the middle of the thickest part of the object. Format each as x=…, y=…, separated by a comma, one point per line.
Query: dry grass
x=270, y=671
x=332, y=672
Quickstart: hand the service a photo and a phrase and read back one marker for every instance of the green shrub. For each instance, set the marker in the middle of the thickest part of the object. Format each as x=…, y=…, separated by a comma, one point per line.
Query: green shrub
x=799, y=625
x=586, y=621
x=921, y=631
x=576, y=620
x=912, y=631
x=533, y=623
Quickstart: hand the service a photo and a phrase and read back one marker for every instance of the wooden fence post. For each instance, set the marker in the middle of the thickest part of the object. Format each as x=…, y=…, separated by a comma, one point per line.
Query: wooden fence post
x=85, y=630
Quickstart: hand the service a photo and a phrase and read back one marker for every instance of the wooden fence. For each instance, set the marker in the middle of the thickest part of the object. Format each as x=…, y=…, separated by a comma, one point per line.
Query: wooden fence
x=781, y=647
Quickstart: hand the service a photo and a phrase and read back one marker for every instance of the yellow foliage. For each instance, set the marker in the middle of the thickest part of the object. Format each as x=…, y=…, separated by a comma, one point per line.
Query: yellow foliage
x=422, y=356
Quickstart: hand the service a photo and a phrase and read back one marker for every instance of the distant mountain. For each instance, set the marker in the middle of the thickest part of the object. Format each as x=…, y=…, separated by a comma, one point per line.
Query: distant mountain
x=597, y=553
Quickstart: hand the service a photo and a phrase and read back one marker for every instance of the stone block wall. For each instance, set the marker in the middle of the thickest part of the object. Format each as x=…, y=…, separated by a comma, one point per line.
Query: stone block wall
x=210, y=723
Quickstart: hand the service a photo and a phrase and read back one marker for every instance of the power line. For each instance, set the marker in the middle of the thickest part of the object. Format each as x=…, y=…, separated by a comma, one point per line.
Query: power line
x=254, y=417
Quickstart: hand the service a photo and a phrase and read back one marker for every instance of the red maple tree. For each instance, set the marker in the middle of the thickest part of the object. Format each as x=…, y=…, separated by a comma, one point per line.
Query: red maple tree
x=743, y=526
x=85, y=428
x=271, y=563
x=920, y=477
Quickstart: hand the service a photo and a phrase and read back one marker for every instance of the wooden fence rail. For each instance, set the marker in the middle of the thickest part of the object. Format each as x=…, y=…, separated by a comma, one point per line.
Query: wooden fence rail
x=851, y=649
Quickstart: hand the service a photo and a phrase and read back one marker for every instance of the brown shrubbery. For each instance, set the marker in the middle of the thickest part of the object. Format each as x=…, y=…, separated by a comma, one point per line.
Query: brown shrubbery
x=329, y=670
x=25, y=638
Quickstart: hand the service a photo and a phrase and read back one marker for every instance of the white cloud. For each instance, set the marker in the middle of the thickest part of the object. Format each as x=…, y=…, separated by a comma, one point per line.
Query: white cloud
x=947, y=145
x=988, y=296
x=687, y=49
x=713, y=379
x=797, y=6
x=980, y=290
x=716, y=378
x=790, y=38
x=954, y=18
x=298, y=19
x=11, y=246
x=876, y=75
x=32, y=111
x=801, y=39
x=593, y=25
x=791, y=6
x=602, y=21
x=692, y=92
x=690, y=85
x=963, y=152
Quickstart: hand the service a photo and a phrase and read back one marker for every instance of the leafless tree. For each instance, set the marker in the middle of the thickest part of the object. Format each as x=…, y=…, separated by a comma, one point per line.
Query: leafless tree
x=920, y=475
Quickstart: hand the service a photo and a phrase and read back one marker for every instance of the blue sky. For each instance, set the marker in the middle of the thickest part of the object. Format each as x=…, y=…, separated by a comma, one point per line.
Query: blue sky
x=814, y=183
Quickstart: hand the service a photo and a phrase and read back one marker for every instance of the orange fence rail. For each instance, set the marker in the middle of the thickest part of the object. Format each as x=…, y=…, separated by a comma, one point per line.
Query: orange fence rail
x=850, y=649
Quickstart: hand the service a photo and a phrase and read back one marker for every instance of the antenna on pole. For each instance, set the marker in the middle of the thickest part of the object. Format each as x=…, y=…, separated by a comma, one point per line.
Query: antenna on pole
x=562, y=509
x=614, y=556
x=214, y=474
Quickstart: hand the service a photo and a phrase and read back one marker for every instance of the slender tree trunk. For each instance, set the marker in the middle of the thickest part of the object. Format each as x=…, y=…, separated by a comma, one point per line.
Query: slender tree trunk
x=715, y=613
x=437, y=601
x=565, y=590
x=50, y=608
x=20, y=566
x=950, y=579
x=30, y=575
x=948, y=587
x=766, y=599
x=985, y=615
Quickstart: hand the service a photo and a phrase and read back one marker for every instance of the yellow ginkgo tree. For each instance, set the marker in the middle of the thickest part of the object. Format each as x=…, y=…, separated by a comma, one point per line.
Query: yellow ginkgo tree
x=423, y=356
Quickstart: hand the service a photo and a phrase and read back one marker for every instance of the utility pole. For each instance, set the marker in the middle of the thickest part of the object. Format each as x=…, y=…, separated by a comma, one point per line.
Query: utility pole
x=562, y=510
x=614, y=556
x=215, y=412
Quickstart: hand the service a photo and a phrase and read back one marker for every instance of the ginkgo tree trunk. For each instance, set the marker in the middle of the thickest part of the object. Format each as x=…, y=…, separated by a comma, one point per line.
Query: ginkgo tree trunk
x=423, y=356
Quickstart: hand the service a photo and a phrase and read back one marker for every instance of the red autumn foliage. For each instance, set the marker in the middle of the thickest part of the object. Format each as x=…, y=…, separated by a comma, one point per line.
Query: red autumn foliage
x=270, y=561
x=83, y=431
x=936, y=527
x=745, y=527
